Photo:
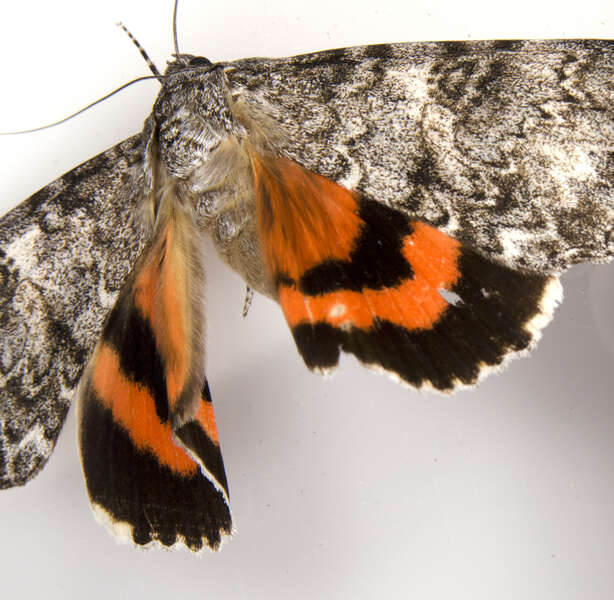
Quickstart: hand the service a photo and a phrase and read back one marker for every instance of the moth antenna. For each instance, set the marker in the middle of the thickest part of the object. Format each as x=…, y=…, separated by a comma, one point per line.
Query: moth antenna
x=82, y=110
x=144, y=54
x=176, y=6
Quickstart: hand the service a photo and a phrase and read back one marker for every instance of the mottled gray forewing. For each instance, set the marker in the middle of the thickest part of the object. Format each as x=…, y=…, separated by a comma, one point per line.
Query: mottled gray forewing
x=507, y=145
x=64, y=253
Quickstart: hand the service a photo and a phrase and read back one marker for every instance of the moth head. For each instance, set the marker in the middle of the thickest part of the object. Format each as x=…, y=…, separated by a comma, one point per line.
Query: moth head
x=187, y=62
x=192, y=114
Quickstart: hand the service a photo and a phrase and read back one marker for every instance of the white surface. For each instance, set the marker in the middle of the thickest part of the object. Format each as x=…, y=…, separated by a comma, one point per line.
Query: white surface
x=350, y=487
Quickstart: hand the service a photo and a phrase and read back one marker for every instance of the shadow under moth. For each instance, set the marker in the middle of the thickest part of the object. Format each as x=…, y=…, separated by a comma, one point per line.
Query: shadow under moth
x=411, y=204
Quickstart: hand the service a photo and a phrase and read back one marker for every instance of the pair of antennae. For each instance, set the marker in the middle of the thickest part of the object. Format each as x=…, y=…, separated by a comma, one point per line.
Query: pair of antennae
x=152, y=67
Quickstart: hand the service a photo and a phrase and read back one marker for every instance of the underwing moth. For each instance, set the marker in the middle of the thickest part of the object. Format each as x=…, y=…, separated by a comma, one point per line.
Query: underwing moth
x=410, y=204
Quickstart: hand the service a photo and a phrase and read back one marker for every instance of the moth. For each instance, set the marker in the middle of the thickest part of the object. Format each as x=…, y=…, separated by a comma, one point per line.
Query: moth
x=410, y=204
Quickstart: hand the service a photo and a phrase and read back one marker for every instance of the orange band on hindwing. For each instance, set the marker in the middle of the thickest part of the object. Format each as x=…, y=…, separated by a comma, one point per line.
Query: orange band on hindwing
x=315, y=230
x=133, y=407
x=148, y=440
x=433, y=256
x=414, y=304
x=206, y=418
x=353, y=274
x=297, y=211
x=160, y=293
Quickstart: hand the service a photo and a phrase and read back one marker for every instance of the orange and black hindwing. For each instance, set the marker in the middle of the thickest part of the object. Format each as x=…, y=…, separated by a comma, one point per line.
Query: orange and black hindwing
x=353, y=274
x=147, y=433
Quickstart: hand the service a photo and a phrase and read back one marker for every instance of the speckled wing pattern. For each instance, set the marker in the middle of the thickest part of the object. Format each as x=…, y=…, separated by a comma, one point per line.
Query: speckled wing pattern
x=412, y=204
x=64, y=254
x=505, y=145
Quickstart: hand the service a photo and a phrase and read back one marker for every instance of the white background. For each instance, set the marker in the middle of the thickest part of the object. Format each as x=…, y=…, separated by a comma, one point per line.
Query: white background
x=349, y=487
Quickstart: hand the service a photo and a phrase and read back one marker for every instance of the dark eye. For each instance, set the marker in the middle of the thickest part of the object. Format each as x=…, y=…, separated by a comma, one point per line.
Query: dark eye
x=199, y=61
